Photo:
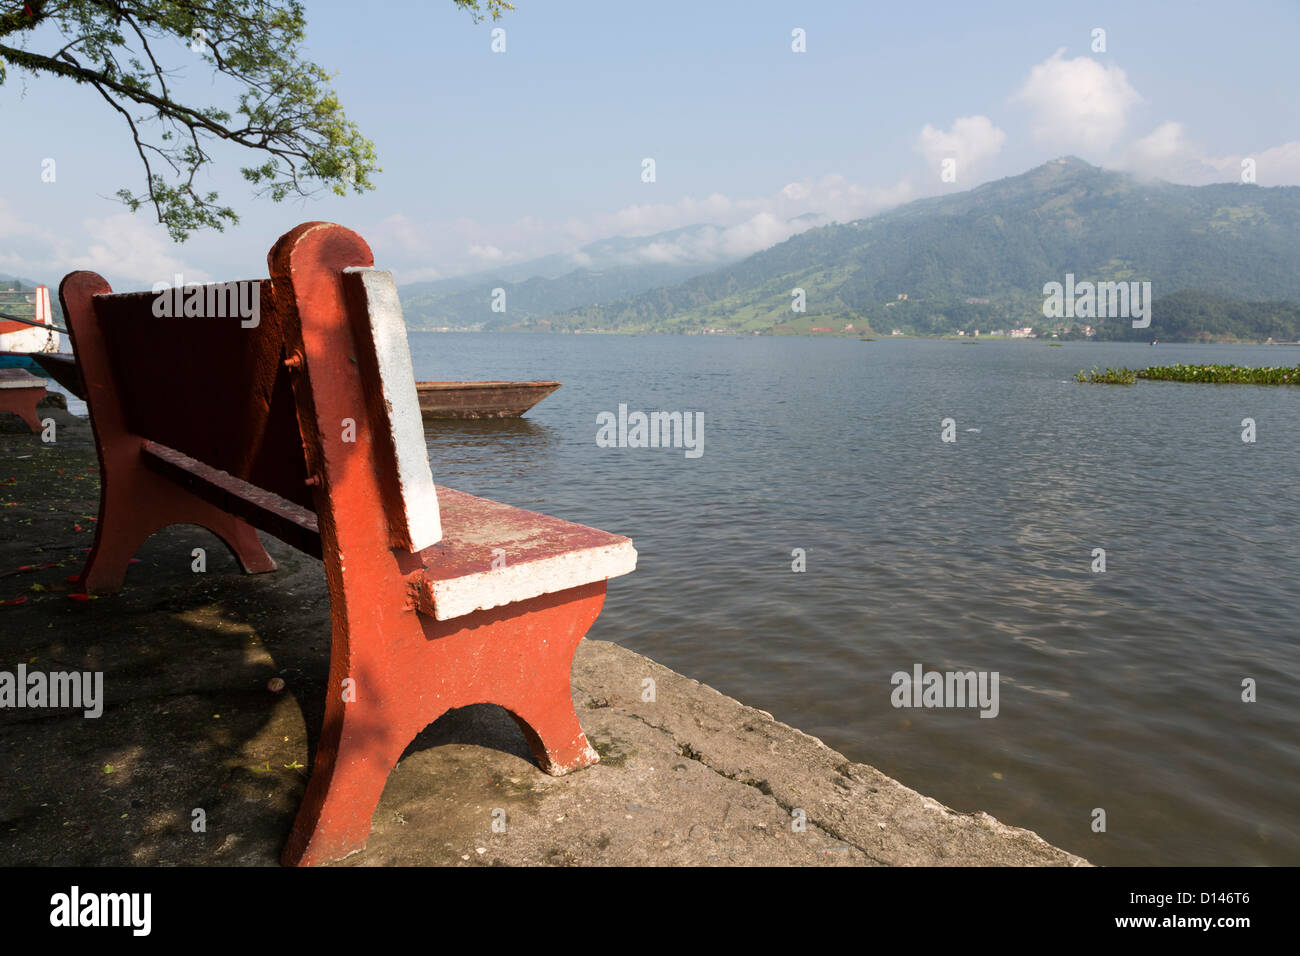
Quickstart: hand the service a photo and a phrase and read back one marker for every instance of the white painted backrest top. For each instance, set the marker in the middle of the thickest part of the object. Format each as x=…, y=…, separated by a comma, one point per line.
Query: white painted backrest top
x=418, y=524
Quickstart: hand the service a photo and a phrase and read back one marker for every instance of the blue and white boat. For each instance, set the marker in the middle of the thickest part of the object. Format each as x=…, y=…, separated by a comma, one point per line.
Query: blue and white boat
x=20, y=340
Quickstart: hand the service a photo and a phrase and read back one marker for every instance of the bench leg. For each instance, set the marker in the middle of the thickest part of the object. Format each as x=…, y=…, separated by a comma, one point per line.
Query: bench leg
x=134, y=503
x=22, y=402
x=409, y=671
x=356, y=752
x=555, y=735
x=543, y=708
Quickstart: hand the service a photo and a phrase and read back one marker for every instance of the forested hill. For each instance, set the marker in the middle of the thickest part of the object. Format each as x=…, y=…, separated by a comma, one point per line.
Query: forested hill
x=1193, y=316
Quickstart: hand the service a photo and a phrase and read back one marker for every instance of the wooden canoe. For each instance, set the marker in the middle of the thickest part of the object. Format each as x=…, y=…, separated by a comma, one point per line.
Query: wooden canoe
x=437, y=399
x=480, y=399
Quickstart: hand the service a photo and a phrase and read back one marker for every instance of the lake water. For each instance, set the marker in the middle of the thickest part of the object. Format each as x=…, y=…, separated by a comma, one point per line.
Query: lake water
x=1119, y=690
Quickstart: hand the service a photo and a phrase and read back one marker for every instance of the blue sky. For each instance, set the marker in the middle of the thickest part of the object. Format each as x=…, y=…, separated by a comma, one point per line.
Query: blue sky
x=491, y=158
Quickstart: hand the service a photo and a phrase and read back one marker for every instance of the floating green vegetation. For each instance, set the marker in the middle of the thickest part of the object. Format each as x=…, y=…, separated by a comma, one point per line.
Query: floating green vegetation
x=1055, y=345
x=1223, y=374
x=1213, y=374
x=1112, y=376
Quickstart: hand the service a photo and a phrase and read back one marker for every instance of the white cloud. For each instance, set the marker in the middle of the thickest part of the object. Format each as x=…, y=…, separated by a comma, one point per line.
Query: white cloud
x=1156, y=153
x=416, y=274
x=751, y=225
x=647, y=218
x=126, y=246
x=1275, y=166
x=401, y=231
x=715, y=244
x=739, y=227
x=971, y=140
x=1077, y=104
x=758, y=232
x=127, y=250
x=1168, y=153
x=13, y=226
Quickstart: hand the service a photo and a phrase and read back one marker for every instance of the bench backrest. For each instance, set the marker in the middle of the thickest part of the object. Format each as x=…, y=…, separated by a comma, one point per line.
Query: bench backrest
x=290, y=384
x=206, y=385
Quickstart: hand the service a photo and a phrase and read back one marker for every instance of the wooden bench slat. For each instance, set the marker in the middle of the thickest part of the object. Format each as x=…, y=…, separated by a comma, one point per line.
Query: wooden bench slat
x=291, y=523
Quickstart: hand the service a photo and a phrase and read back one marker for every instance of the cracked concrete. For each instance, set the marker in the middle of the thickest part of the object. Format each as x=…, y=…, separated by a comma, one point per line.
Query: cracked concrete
x=193, y=729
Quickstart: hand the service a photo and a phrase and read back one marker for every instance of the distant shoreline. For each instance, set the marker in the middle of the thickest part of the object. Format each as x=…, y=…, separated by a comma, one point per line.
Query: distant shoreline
x=852, y=336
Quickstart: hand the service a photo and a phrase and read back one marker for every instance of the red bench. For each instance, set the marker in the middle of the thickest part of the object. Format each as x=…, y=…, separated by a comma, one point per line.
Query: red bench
x=305, y=424
x=20, y=390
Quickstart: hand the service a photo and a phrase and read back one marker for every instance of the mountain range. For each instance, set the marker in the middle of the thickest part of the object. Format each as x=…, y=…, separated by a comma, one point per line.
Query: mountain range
x=974, y=259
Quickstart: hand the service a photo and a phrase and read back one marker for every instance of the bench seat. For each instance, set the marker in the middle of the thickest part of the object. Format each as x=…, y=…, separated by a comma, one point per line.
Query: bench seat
x=543, y=555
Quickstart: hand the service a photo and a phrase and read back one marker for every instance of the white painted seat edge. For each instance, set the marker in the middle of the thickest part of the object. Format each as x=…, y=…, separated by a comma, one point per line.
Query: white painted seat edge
x=20, y=378
x=481, y=591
